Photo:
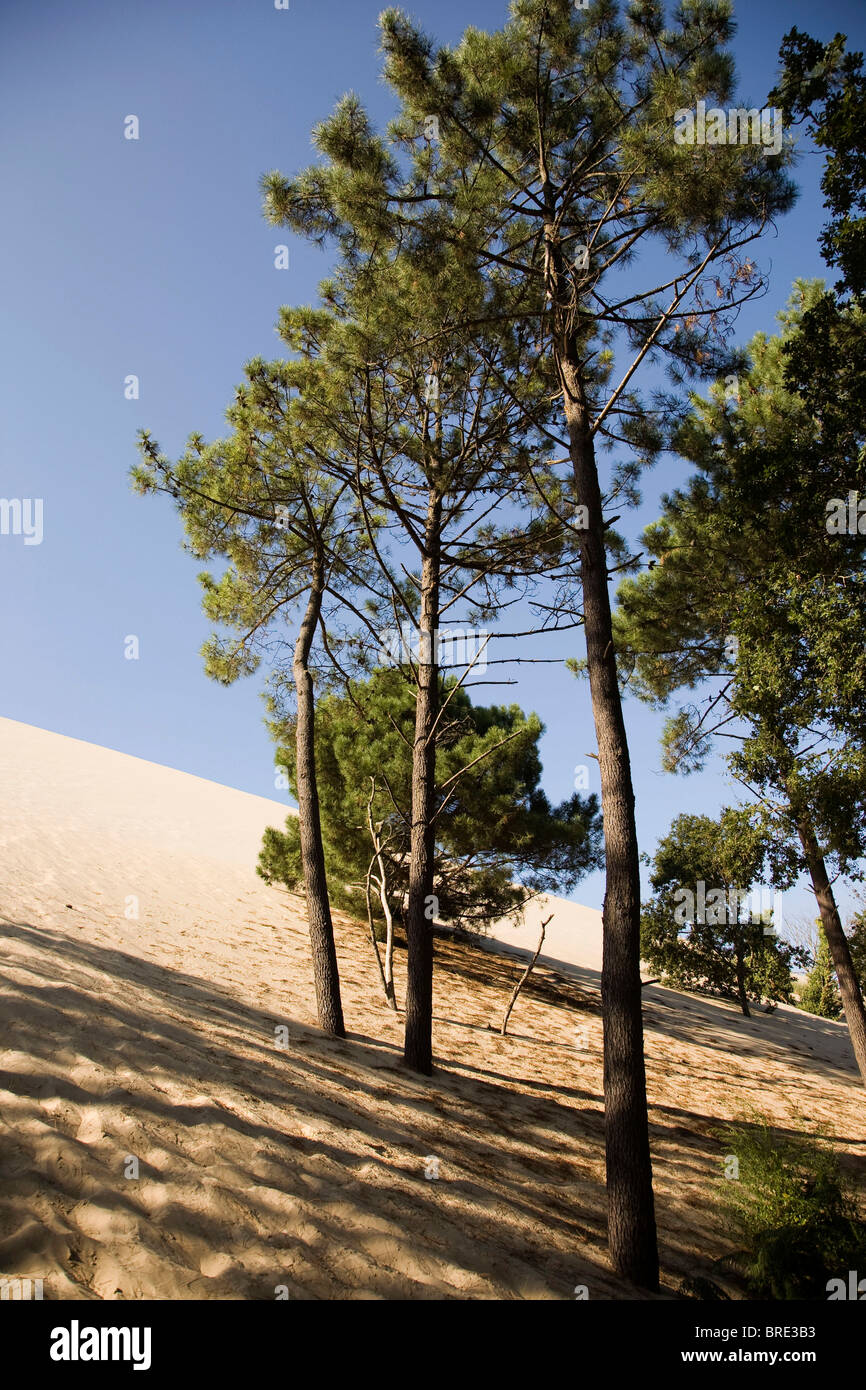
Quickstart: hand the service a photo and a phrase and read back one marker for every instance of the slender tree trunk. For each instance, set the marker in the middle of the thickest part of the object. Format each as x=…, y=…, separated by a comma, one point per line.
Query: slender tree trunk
x=418, y=1040
x=631, y=1209
x=386, y=970
x=325, y=973
x=840, y=952
x=390, y=992
x=740, y=967
x=371, y=927
x=630, y=1204
x=524, y=977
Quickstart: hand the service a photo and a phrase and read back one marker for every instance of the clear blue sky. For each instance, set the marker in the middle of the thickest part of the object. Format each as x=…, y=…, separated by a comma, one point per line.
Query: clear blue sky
x=151, y=258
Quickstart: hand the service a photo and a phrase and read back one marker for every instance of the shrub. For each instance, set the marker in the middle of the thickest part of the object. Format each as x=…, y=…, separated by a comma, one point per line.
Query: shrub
x=820, y=993
x=799, y=1224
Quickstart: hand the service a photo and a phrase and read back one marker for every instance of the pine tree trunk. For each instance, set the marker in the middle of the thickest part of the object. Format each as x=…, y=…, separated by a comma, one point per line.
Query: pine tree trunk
x=325, y=973
x=631, y=1210
x=840, y=952
x=418, y=1039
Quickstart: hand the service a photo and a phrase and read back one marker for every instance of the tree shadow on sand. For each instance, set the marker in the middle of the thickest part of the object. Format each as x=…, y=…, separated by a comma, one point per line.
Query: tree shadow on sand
x=335, y=1133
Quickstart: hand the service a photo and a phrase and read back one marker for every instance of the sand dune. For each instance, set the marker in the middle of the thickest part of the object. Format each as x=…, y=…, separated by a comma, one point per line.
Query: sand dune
x=571, y=938
x=152, y=1040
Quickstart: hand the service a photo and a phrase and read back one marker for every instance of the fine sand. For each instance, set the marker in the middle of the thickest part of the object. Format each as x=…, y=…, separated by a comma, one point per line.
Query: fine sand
x=181, y=1042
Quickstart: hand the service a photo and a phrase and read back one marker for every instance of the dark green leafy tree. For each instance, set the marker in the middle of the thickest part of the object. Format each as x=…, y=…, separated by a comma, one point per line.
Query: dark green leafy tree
x=499, y=841
x=824, y=87
x=749, y=594
x=820, y=994
x=545, y=155
x=699, y=929
x=857, y=946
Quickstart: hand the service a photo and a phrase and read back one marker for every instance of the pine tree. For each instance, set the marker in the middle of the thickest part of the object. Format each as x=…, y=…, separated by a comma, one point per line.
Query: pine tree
x=545, y=155
x=750, y=588
x=499, y=842
x=266, y=501
x=824, y=86
x=441, y=422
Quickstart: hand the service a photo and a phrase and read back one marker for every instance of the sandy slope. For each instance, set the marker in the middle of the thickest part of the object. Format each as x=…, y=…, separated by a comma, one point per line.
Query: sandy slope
x=572, y=935
x=305, y=1167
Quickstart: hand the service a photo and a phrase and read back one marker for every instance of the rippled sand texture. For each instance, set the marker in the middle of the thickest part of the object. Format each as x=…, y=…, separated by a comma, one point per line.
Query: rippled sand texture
x=280, y=1160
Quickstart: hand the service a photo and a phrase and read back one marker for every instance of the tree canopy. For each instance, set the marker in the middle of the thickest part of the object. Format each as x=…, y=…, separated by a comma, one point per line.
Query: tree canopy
x=499, y=840
x=700, y=928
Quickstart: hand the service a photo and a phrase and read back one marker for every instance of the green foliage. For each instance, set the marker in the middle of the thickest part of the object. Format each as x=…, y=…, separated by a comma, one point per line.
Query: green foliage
x=799, y=1224
x=857, y=946
x=702, y=1289
x=509, y=151
x=280, y=856
x=820, y=994
x=268, y=505
x=826, y=86
x=720, y=949
x=749, y=595
x=498, y=839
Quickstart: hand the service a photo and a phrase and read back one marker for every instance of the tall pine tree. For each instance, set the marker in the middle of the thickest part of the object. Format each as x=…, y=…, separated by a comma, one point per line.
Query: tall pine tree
x=751, y=584
x=546, y=155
